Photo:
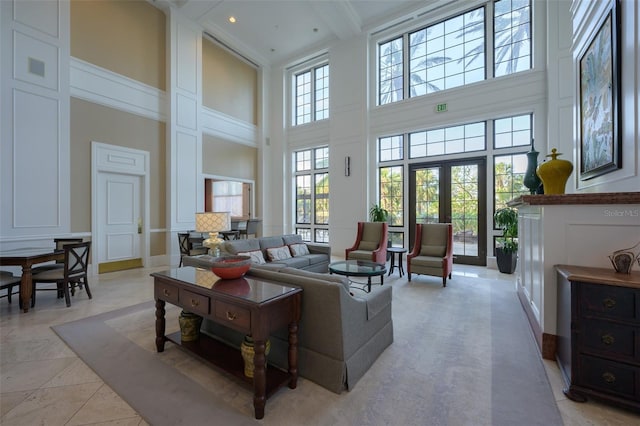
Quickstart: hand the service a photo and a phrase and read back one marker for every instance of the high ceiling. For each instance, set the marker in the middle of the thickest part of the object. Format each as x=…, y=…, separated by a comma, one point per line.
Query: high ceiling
x=273, y=31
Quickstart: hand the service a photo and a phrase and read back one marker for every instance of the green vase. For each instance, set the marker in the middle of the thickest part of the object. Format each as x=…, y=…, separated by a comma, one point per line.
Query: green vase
x=531, y=179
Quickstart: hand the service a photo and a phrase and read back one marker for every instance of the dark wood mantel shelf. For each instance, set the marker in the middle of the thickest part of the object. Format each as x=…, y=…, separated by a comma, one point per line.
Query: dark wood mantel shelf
x=565, y=199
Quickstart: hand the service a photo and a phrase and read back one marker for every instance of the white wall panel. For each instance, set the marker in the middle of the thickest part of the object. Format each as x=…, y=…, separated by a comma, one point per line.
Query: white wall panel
x=186, y=156
x=104, y=87
x=42, y=15
x=36, y=186
x=31, y=56
x=186, y=112
x=224, y=126
x=187, y=55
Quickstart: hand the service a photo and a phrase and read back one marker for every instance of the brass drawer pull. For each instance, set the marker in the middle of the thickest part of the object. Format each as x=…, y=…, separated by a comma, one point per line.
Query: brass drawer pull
x=166, y=292
x=231, y=316
x=609, y=303
x=608, y=339
x=194, y=303
x=609, y=377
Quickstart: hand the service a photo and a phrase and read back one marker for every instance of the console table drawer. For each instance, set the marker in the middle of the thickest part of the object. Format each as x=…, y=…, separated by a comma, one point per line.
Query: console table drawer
x=167, y=293
x=608, y=301
x=611, y=377
x=233, y=316
x=193, y=302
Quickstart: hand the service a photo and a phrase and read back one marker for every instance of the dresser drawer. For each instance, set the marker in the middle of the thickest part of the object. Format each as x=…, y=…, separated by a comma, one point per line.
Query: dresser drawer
x=611, y=377
x=193, y=302
x=608, y=301
x=609, y=339
x=233, y=316
x=166, y=292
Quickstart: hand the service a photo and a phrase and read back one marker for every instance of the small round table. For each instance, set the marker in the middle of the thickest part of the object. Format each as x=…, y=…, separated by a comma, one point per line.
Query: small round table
x=359, y=268
x=399, y=251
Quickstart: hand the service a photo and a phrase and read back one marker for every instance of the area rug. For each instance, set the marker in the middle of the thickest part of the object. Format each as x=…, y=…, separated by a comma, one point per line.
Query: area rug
x=161, y=395
x=462, y=355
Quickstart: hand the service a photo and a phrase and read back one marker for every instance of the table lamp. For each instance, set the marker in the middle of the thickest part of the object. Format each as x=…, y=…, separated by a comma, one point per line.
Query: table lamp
x=213, y=222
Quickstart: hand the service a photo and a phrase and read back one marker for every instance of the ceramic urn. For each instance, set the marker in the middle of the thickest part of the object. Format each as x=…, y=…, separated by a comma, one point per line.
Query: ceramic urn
x=554, y=173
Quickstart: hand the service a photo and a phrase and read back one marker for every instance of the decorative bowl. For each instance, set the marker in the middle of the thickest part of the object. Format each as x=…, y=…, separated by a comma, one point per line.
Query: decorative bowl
x=231, y=267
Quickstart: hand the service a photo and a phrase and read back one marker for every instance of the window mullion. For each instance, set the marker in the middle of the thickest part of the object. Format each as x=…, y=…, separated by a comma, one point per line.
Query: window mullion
x=406, y=72
x=489, y=41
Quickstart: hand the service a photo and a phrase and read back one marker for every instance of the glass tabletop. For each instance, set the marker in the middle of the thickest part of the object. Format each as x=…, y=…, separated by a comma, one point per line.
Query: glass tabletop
x=363, y=268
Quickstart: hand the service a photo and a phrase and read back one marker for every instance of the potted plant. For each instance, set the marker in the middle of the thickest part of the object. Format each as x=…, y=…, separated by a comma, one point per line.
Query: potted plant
x=507, y=251
x=378, y=214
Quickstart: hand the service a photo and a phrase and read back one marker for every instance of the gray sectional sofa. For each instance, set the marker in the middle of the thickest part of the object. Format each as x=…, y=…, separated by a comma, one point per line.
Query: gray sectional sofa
x=316, y=261
x=341, y=333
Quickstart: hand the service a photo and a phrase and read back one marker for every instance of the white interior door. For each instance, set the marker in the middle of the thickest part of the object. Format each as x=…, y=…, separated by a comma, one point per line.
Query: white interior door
x=119, y=217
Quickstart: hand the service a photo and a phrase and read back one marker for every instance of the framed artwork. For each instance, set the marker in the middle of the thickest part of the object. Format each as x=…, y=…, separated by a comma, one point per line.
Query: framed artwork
x=599, y=103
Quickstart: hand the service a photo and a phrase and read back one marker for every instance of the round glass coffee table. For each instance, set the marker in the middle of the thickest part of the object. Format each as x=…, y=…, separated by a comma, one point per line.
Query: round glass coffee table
x=359, y=268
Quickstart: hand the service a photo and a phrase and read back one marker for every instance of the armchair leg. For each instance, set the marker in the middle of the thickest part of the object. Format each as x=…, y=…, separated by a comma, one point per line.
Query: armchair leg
x=409, y=274
x=444, y=281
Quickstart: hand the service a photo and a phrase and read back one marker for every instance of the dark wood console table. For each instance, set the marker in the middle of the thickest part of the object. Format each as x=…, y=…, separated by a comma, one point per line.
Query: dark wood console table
x=248, y=305
x=599, y=334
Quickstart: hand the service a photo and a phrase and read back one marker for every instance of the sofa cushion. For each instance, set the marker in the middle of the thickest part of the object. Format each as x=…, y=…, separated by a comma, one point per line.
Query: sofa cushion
x=235, y=246
x=268, y=242
x=278, y=253
x=427, y=261
x=292, y=239
x=295, y=262
x=256, y=256
x=298, y=249
x=437, y=251
x=316, y=258
x=368, y=245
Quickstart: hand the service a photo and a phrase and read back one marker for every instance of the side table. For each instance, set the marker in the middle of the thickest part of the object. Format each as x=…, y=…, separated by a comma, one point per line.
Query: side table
x=396, y=251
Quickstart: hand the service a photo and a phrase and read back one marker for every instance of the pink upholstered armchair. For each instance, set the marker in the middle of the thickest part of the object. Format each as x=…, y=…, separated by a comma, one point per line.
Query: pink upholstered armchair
x=432, y=252
x=371, y=243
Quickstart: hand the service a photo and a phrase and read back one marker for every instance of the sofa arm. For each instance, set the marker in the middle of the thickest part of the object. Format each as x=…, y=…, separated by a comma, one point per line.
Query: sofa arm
x=376, y=300
x=319, y=249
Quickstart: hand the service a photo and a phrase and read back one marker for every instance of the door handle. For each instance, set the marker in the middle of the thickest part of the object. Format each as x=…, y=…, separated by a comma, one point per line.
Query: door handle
x=139, y=225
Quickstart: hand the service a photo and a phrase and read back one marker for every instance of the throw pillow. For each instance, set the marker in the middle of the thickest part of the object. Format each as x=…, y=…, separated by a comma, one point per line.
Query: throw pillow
x=368, y=245
x=298, y=249
x=256, y=256
x=435, y=251
x=278, y=253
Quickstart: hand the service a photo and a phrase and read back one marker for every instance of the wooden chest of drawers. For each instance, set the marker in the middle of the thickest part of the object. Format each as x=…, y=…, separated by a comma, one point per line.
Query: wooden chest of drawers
x=599, y=334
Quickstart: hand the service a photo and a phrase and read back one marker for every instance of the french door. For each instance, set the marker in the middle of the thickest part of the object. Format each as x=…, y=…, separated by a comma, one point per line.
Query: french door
x=452, y=192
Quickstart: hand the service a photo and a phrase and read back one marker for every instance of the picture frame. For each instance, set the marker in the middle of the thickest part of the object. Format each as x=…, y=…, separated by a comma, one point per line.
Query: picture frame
x=600, y=149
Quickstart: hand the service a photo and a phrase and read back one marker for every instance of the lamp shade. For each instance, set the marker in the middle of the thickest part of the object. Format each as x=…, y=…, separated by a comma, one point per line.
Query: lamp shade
x=213, y=221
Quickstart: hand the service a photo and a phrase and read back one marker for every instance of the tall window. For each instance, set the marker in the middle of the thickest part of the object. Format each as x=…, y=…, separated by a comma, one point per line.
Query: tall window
x=509, y=169
x=228, y=197
x=312, y=194
x=511, y=36
x=453, y=53
x=312, y=95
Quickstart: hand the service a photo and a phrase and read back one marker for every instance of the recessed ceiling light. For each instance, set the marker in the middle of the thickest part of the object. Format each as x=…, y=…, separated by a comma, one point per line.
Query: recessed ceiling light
x=232, y=19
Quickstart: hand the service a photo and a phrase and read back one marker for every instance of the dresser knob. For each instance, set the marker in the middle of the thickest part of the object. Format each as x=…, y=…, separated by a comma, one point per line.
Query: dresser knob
x=609, y=303
x=231, y=316
x=609, y=377
x=194, y=302
x=608, y=339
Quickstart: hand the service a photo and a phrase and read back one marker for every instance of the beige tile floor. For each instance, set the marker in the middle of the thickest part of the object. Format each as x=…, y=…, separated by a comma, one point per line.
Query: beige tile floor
x=43, y=382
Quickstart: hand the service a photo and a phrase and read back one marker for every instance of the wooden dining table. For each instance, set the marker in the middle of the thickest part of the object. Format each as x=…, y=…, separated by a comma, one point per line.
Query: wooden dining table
x=27, y=257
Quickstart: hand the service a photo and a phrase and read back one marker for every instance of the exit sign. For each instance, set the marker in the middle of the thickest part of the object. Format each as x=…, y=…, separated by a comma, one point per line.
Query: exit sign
x=441, y=107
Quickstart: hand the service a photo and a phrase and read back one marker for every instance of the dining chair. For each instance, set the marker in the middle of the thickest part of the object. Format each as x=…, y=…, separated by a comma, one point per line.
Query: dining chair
x=250, y=228
x=187, y=248
x=7, y=281
x=59, y=264
x=73, y=273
